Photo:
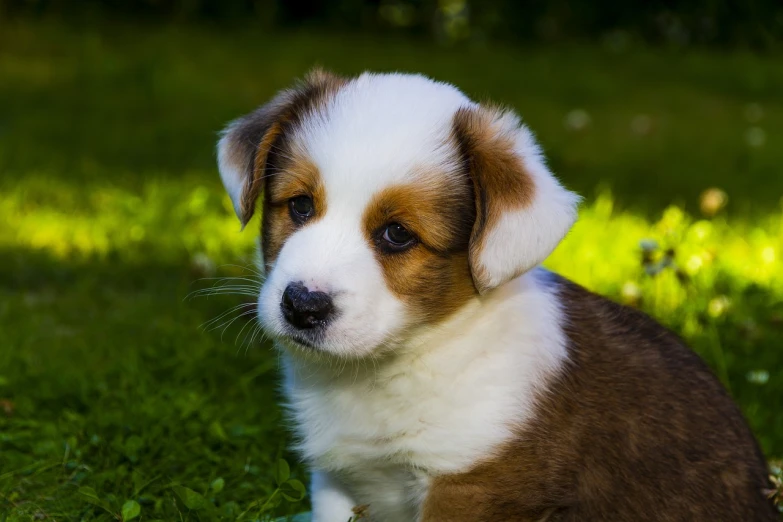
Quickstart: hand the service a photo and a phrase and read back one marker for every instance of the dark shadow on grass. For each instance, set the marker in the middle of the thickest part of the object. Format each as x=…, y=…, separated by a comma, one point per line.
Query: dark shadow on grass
x=105, y=372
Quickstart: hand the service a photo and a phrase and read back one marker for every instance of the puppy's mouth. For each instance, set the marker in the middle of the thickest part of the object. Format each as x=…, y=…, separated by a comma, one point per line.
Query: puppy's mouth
x=303, y=341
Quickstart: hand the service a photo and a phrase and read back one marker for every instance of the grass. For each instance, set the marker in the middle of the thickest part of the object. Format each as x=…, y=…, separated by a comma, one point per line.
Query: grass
x=115, y=404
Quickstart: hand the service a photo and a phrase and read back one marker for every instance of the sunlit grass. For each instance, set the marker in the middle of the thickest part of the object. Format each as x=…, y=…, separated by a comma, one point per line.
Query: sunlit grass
x=623, y=254
x=169, y=218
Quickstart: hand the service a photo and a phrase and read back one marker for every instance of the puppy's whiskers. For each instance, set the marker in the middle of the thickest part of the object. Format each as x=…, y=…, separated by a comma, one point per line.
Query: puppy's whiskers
x=210, y=325
x=245, y=285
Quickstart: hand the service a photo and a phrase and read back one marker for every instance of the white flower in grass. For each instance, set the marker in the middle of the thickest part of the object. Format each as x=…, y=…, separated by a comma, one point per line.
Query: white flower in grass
x=718, y=306
x=641, y=125
x=693, y=264
x=202, y=264
x=631, y=292
x=768, y=255
x=577, y=120
x=755, y=137
x=712, y=201
x=758, y=376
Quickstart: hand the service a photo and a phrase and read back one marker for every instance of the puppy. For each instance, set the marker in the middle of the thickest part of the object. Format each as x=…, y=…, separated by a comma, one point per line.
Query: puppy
x=433, y=371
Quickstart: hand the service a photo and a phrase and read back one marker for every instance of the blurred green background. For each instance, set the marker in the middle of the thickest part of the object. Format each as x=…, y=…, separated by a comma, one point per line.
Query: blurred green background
x=121, y=397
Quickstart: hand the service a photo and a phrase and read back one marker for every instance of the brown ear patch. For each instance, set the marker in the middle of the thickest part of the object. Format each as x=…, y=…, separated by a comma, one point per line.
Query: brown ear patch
x=295, y=176
x=501, y=182
x=251, y=192
x=432, y=277
x=268, y=127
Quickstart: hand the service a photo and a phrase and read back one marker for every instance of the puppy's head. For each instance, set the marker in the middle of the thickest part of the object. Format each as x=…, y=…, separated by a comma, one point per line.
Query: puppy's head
x=389, y=201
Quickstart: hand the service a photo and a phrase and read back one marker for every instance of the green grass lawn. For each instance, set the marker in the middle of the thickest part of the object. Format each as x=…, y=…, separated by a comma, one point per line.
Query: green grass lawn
x=117, y=391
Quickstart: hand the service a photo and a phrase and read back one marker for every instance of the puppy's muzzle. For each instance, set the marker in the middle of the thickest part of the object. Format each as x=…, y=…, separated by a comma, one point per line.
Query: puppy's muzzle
x=304, y=309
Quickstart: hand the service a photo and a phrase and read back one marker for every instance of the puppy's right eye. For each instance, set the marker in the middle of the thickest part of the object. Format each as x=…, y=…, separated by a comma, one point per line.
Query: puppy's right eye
x=396, y=238
x=301, y=208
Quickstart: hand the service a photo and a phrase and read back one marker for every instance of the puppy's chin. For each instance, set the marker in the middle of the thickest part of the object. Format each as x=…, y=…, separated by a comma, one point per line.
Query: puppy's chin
x=301, y=342
x=322, y=350
x=304, y=344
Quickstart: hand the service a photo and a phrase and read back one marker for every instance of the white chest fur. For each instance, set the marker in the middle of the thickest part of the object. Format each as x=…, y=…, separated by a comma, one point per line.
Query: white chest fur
x=443, y=402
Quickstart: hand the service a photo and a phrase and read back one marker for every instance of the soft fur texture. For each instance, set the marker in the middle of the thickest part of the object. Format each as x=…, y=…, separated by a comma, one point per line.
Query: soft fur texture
x=453, y=379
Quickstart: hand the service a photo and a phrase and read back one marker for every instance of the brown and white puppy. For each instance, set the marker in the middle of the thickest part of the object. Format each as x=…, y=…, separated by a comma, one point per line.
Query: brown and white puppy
x=433, y=371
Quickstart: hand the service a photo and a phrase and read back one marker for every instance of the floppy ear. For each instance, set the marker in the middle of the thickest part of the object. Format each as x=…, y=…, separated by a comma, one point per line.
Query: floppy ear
x=246, y=144
x=522, y=212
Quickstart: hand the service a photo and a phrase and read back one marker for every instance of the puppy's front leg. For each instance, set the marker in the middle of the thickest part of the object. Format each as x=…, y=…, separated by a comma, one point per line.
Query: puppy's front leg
x=331, y=501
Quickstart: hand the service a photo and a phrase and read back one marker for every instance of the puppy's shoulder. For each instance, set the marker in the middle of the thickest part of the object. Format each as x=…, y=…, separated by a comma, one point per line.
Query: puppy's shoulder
x=599, y=330
x=633, y=418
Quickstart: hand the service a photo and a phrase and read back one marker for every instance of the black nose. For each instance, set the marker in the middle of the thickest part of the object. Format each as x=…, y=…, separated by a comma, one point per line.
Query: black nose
x=305, y=309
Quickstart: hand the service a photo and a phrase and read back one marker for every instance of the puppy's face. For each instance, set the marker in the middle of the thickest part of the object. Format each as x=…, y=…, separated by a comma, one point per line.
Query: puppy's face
x=389, y=201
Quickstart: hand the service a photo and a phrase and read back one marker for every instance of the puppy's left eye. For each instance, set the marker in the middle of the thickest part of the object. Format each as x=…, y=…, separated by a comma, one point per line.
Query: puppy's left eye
x=397, y=237
x=301, y=209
